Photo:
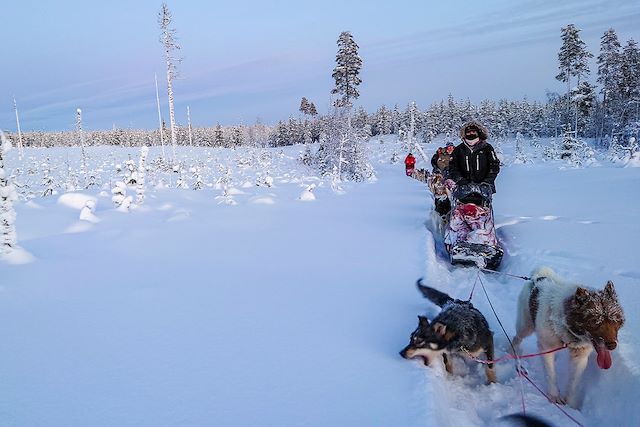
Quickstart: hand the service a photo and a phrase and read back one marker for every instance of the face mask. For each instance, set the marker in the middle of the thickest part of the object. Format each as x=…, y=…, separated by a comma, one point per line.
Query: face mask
x=472, y=140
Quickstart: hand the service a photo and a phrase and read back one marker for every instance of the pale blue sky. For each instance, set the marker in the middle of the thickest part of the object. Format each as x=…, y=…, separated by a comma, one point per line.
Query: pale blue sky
x=249, y=59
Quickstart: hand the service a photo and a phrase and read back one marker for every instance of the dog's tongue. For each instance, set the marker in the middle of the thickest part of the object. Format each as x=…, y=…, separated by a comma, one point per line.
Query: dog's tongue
x=604, y=357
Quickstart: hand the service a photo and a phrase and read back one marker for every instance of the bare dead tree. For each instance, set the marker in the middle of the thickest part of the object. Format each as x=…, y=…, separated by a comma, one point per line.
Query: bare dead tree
x=168, y=40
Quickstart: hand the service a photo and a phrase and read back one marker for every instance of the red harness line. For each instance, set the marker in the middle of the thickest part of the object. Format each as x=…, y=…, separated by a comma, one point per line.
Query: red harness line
x=511, y=356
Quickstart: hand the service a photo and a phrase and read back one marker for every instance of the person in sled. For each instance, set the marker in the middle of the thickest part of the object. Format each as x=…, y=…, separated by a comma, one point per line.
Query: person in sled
x=410, y=164
x=441, y=159
x=475, y=160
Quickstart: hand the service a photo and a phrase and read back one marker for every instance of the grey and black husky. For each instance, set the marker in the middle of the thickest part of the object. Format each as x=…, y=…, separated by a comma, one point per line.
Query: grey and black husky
x=459, y=329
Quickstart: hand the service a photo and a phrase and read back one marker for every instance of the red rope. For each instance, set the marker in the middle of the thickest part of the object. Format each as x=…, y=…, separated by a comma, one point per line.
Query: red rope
x=511, y=356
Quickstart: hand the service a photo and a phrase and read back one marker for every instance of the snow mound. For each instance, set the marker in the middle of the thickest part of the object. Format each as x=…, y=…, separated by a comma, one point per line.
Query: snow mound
x=87, y=213
x=307, y=195
x=75, y=200
x=234, y=191
x=79, y=227
x=33, y=205
x=263, y=200
x=17, y=256
x=180, y=215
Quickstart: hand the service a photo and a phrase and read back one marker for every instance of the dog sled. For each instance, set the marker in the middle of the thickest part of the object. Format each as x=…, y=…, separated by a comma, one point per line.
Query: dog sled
x=470, y=236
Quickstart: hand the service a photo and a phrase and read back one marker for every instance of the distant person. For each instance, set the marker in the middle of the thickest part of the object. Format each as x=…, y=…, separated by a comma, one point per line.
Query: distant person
x=441, y=159
x=410, y=164
x=474, y=160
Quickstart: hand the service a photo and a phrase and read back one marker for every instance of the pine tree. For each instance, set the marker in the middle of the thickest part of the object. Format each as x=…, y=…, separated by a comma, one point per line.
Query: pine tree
x=304, y=106
x=345, y=74
x=573, y=60
x=610, y=79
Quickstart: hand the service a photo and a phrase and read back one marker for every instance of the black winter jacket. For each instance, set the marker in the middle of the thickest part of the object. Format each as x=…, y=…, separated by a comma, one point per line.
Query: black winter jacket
x=474, y=164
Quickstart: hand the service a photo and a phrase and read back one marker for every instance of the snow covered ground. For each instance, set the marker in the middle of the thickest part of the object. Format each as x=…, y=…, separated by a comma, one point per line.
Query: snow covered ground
x=289, y=306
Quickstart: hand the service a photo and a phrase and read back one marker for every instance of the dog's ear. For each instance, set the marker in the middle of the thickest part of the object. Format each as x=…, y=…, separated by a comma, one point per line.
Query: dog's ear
x=440, y=329
x=423, y=321
x=609, y=290
x=582, y=293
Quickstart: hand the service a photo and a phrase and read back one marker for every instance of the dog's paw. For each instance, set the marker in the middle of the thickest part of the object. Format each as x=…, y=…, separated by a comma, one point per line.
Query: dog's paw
x=560, y=400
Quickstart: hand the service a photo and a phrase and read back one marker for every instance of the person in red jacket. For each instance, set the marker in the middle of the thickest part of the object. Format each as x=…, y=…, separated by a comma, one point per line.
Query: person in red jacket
x=410, y=164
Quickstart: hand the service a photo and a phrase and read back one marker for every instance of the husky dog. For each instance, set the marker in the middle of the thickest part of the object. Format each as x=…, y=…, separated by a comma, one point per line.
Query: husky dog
x=421, y=175
x=562, y=313
x=458, y=329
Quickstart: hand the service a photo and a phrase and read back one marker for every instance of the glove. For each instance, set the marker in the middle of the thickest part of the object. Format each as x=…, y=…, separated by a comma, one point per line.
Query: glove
x=462, y=181
x=487, y=190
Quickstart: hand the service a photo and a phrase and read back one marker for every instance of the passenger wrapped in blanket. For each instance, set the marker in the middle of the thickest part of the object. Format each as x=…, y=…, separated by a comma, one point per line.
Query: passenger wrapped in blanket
x=470, y=237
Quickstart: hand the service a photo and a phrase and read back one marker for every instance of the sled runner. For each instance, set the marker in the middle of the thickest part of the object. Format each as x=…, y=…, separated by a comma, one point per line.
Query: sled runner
x=470, y=237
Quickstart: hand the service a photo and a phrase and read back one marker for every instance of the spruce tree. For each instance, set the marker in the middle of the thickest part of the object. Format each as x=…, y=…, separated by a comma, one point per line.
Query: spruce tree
x=345, y=74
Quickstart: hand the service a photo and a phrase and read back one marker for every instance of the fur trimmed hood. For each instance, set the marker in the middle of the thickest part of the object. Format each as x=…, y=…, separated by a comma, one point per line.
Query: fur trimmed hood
x=483, y=133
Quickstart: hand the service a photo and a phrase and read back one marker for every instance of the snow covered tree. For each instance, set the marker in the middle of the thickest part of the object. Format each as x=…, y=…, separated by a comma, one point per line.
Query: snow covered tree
x=382, y=119
x=345, y=74
x=218, y=136
x=630, y=87
x=140, y=188
x=361, y=119
x=304, y=105
x=610, y=79
x=584, y=97
x=573, y=61
x=8, y=195
x=189, y=126
x=168, y=40
x=80, y=132
x=120, y=198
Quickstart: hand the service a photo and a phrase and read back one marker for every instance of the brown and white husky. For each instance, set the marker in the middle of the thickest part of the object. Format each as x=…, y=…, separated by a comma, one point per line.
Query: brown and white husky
x=562, y=313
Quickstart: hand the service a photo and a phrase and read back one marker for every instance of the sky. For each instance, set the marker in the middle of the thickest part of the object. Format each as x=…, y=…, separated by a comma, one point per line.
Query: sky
x=244, y=61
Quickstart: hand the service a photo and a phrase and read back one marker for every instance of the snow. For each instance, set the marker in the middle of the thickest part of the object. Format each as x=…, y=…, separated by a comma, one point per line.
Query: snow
x=187, y=311
x=76, y=200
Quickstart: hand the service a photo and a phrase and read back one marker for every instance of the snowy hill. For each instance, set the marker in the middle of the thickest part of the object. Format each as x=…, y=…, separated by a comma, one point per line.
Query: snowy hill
x=286, y=309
